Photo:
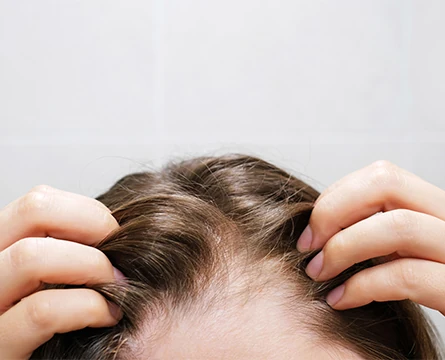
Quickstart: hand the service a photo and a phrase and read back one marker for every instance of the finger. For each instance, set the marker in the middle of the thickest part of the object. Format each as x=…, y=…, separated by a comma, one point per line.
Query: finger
x=415, y=279
x=45, y=211
x=381, y=186
x=404, y=233
x=35, y=319
x=375, y=166
x=31, y=261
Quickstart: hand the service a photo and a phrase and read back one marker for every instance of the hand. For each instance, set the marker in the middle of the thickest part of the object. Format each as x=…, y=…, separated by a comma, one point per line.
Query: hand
x=410, y=231
x=31, y=254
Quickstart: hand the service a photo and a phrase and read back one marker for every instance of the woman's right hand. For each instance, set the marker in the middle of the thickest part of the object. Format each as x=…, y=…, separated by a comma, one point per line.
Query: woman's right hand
x=46, y=237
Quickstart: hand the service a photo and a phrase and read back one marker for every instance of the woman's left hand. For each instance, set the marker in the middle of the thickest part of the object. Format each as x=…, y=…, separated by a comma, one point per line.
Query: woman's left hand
x=410, y=230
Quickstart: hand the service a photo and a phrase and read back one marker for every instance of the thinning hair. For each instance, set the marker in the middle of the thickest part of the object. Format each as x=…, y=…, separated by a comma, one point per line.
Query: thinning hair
x=185, y=229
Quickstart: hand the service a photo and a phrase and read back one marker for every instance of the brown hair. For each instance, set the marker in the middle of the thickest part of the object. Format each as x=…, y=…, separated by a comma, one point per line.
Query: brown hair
x=183, y=227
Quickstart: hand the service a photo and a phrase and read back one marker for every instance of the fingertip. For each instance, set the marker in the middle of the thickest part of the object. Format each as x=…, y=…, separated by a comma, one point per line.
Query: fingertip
x=315, y=266
x=118, y=274
x=112, y=222
x=306, y=238
x=115, y=311
x=334, y=296
x=109, y=224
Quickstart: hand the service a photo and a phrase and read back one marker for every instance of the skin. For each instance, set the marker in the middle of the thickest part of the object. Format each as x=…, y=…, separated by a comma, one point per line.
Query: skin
x=248, y=325
x=48, y=236
x=409, y=231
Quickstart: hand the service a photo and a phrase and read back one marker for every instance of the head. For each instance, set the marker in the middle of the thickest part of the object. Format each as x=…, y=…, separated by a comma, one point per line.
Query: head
x=208, y=248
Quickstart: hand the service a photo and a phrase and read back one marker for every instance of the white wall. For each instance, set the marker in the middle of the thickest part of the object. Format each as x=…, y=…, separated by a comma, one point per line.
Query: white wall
x=90, y=90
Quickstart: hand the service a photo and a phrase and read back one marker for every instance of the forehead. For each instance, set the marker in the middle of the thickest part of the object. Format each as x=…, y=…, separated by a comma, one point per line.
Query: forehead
x=258, y=329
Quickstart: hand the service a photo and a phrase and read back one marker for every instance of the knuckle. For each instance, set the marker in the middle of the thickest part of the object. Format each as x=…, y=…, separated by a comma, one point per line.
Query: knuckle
x=382, y=164
x=360, y=282
x=335, y=248
x=94, y=304
x=406, y=276
x=38, y=199
x=326, y=205
x=39, y=311
x=97, y=260
x=403, y=224
x=387, y=174
x=25, y=253
x=383, y=172
x=42, y=188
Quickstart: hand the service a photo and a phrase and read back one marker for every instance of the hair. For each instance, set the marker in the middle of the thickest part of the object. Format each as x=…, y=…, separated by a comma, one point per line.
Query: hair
x=184, y=229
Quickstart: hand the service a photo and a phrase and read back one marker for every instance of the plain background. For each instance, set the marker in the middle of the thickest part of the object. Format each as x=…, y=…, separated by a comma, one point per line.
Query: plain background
x=91, y=90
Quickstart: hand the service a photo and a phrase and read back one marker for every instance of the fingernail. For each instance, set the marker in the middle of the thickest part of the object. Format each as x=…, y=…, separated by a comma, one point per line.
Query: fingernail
x=305, y=240
x=313, y=269
x=118, y=274
x=335, y=295
x=115, y=311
